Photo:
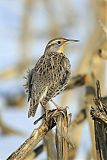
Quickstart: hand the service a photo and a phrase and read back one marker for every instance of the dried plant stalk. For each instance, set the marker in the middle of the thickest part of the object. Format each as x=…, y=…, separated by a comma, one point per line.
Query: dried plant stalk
x=30, y=143
x=61, y=136
x=36, y=136
x=76, y=81
x=50, y=145
x=6, y=130
x=80, y=118
x=99, y=115
x=36, y=152
x=102, y=53
x=49, y=142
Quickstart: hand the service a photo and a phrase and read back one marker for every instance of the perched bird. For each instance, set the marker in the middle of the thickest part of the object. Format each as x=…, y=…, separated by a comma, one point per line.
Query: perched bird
x=49, y=76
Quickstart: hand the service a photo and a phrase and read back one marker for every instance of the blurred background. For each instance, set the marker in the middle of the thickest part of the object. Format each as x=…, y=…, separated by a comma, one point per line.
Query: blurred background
x=26, y=26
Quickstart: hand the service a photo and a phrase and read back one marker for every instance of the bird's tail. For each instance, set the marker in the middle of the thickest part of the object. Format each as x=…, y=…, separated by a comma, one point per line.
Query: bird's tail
x=32, y=109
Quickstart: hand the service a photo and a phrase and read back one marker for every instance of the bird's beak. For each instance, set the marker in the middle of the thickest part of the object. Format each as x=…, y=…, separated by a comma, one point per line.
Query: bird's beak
x=62, y=47
x=71, y=40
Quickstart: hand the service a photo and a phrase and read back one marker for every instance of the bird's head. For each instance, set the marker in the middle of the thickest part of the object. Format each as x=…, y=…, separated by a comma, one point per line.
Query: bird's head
x=58, y=44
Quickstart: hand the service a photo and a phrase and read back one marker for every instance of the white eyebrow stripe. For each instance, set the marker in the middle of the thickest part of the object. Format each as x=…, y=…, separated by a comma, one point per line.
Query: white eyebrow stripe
x=53, y=42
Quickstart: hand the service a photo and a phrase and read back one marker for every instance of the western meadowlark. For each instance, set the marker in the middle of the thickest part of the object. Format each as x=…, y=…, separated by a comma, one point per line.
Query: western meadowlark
x=49, y=76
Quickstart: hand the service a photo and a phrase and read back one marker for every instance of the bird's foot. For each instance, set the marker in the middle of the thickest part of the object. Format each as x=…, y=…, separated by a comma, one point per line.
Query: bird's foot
x=47, y=114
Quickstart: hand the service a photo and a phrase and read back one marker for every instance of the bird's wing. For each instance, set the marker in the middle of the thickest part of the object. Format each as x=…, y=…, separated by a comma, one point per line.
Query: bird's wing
x=31, y=76
x=32, y=97
x=29, y=82
x=33, y=87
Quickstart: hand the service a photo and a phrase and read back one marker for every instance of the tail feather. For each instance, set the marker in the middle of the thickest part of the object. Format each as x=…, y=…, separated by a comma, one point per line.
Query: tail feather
x=32, y=110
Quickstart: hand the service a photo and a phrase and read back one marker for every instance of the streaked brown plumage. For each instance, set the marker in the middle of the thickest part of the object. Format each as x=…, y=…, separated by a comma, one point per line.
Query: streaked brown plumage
x=49, y=76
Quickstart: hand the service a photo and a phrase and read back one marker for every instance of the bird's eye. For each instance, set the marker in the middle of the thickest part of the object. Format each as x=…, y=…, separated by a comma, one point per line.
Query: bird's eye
x=59, y=42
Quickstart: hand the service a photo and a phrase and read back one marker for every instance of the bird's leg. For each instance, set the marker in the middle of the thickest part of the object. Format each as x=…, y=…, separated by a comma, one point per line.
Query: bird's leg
x=58, y=107
x=55, y=104
x=43, y=104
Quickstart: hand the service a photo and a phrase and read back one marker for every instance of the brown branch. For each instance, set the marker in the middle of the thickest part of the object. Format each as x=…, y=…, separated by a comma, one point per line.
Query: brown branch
x=100, y=111
x=62, y=129
x=102, y=53
x=34, y=139
x=36, y=152
x=76, y=81
x=80, y=118
x=8, y=130
x=104, y=100
x=36, y=136
x=99, y=114
x=49, y=142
